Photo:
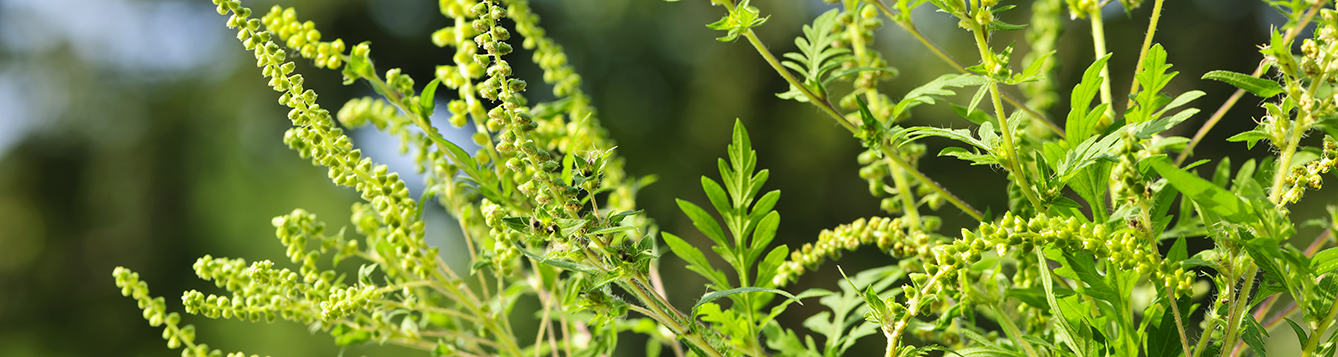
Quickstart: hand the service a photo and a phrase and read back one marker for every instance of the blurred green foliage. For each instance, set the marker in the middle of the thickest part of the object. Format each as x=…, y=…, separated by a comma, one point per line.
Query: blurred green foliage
x=163, y=146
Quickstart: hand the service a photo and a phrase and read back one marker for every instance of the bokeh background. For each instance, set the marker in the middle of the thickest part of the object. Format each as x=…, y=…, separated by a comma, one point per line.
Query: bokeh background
x=138, y=133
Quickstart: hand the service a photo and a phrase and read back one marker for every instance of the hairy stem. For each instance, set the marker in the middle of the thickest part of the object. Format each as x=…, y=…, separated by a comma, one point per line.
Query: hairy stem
x=919, y=176
x=1241, y=303
x=1175, y=309
x=1009, y=146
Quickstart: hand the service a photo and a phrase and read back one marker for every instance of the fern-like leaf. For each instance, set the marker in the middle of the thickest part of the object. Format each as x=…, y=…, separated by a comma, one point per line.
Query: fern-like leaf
x=816, y=56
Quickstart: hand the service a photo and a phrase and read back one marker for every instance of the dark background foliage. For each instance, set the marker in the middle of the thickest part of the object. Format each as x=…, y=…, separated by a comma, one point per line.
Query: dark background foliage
x=138, y=133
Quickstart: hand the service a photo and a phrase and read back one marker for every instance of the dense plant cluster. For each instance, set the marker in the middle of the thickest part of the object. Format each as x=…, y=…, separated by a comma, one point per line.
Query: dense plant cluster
x=549, y=214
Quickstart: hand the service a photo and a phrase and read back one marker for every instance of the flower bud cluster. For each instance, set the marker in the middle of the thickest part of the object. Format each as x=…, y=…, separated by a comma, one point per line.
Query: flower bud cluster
x=155, y=311
x=887, y=234
x=1127, y=183
x=1043, y=35
x=304, y=38
x=529, y=142
x=1310, y=174
x=1121, y=249
x=582, y=129
x=504, y=250
x=536, y=167
x=1079, y=9
x=877, y=171
x=296, y=229
x=251, y=298
x=315, y=135
x=1320, y=53
x=856, y=30
x=344, y=302
x=548, y=55
x=383, y=115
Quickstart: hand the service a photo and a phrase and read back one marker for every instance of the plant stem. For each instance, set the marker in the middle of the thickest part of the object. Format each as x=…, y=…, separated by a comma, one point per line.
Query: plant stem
x=1099, y=45
x=1013, y=332
x=1010, y=149
x=919, y=176
x=938, y=51
x=1262, y=311
x=1221, y=111
x=812, y=98
x=671, y=321
x=1147, y=44
x=1297, y=127
x=1285, y=160
x=1011, y=152
x=1316, y=335
x=1238, y=308
x=827, y=107
x=1175, y=309
x=908, y=207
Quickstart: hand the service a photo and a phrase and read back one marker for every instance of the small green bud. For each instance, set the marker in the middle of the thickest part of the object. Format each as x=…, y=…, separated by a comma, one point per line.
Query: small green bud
x=478, y=9
x=502, y=48
x=516, y=85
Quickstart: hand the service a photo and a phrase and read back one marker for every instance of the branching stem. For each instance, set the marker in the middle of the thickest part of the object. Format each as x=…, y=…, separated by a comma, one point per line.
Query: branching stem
x=910, y=28
x=827, y=107
x=1226, y=106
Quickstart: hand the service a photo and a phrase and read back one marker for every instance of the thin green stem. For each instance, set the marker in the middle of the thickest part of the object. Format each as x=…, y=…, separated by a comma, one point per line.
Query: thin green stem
x=671, y=321
x=1013, y=332
x=831, y=111
x=1242, y=303
x=1267, y=305
x=1009, y=146
x=1316, y=335
x=1231, y=102
x=910, y=28
x=1099, y=45
x=908, y=207
x=919, y=176
x=1296, y=129
x=1011, y=151
x=821, y=102
x=1175, y=309
x=1285, y=163
x=1202, y=345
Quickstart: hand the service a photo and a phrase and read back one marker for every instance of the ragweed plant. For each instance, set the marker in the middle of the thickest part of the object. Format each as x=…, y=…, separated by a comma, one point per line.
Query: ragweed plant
x=549, y=215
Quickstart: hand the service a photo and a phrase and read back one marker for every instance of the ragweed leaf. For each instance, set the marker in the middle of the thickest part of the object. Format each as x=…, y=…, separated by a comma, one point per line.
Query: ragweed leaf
x=1205, y=193
x=1258, y=86
x=1082, y=119
x=816, y=56
x=1324, y=261
x=1251, y=137
x=696, y=260
x=712, y=296
x=938, y=87
x=1149, y=103
x=739, y=21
